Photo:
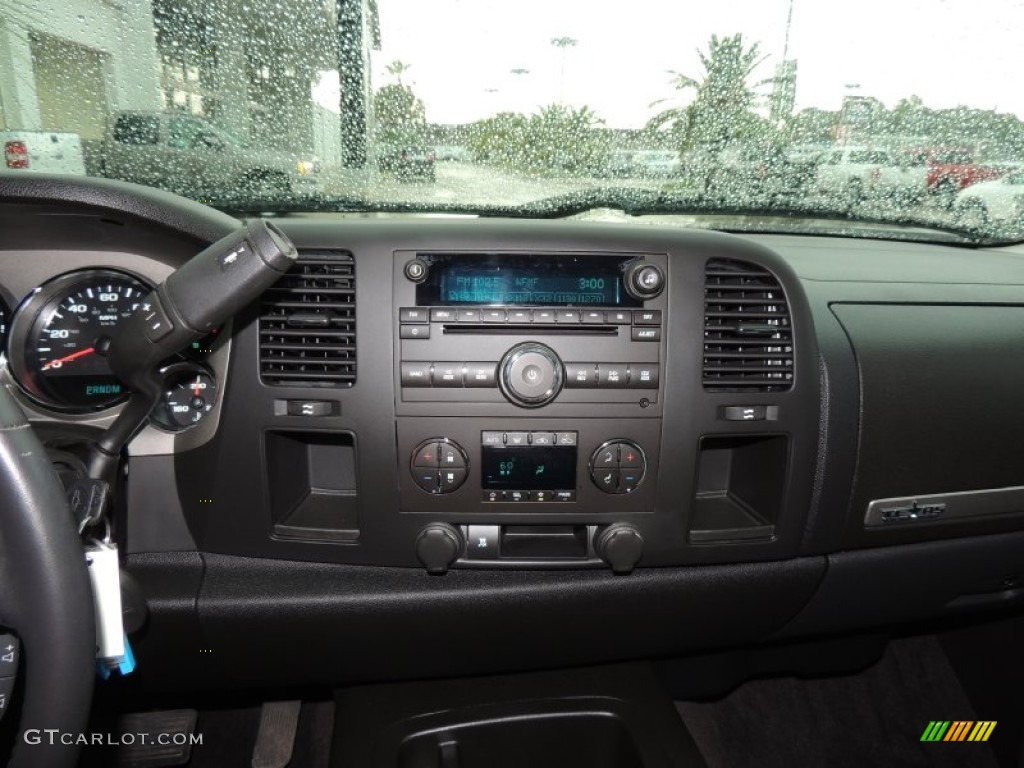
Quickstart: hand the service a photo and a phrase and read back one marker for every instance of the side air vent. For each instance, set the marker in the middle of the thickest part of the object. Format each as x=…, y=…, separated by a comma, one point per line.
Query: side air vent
x=308, y=323
x=748, y=336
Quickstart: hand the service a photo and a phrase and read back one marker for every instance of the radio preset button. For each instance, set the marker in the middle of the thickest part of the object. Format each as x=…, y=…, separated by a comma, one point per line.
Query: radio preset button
x=519, y=316
x=469, y=315
x=493, y=315
x=612, y=376
x=543, y=315
x=593, y=317
x=567, y=316
x=415, y=374
x=618, y=317
x=447, y=375
x=481, y=374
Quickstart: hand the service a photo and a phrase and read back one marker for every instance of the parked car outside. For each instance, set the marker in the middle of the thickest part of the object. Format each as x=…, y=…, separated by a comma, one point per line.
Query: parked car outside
x=998, y=203
x=42, y=152
x=655, y=163
x=180, y=152
x=854, y=174
x=452, y=153
x=408, y=162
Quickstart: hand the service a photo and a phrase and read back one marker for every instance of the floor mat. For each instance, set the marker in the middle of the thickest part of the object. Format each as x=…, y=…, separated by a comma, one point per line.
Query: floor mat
x=875, y=718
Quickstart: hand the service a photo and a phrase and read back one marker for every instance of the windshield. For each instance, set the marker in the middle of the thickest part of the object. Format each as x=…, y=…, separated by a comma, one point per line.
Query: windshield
x=774, y=114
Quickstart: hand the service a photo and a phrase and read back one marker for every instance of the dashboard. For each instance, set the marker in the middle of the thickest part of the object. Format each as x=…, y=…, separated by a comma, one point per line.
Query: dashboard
x=660, y=439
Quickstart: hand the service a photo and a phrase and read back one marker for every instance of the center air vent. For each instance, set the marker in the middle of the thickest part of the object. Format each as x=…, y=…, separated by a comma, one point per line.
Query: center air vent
x=748, y=337
x=308, y=323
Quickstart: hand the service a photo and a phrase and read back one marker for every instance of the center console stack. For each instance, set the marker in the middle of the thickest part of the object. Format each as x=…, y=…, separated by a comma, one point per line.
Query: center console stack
x=489, y=398
x=529, y=401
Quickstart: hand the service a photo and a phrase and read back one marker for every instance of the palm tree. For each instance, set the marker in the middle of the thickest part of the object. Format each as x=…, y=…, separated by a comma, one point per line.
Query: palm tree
x=398, y=68
x=721, y=108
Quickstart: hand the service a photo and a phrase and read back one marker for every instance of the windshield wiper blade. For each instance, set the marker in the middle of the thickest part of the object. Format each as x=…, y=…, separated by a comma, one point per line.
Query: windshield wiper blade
x=758, y=212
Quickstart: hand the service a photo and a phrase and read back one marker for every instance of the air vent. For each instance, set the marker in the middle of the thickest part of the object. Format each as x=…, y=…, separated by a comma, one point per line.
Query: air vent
x=748, y=338
x=308, y=323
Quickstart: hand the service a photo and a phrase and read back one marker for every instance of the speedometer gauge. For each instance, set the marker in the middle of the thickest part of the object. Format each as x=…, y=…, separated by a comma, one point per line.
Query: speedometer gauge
x=58, y=336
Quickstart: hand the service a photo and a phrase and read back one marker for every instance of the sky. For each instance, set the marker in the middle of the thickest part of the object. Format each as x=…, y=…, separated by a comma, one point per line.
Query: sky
x=462, y=52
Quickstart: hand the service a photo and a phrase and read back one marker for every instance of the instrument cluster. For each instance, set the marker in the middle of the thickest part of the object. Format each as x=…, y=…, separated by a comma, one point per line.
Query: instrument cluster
x=58, y=335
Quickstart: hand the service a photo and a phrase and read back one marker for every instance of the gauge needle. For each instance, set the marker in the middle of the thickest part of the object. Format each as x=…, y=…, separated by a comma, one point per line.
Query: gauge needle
x=58, y=363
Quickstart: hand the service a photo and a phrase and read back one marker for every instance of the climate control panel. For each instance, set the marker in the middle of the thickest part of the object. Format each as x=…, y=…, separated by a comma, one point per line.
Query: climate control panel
x=518, y=467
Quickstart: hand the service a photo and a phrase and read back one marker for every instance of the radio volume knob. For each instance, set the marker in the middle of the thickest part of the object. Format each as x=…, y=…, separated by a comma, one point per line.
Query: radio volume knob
x=530, y=375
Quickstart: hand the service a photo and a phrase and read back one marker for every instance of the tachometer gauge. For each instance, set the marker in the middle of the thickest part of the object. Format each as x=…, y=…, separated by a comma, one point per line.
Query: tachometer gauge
x=58, y=333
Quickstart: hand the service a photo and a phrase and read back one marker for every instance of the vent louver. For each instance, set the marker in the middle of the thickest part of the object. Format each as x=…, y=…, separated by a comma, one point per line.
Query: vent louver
x=748, y=336
x=308, y=323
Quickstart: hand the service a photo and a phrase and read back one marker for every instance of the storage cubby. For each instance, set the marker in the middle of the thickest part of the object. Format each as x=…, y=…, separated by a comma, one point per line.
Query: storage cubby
x=740, y=485
x=311, y=481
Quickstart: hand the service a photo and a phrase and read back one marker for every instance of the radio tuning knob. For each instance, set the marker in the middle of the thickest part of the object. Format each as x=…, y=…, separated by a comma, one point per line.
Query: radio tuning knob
x=530, y=375
x=644, y=281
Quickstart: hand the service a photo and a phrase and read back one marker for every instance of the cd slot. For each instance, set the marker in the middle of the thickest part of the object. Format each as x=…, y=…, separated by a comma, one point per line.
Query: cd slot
x=545, y=328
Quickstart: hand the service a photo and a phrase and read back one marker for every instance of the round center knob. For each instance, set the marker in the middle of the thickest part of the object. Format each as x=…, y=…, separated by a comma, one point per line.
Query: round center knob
x=531, y=375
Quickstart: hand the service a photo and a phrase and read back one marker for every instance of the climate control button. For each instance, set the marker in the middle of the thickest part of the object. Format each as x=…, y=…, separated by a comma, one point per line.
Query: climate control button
x=618, y=466
x=439, y=465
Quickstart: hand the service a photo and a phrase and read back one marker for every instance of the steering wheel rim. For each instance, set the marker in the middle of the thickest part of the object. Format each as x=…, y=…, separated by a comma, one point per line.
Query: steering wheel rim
x=46, y=597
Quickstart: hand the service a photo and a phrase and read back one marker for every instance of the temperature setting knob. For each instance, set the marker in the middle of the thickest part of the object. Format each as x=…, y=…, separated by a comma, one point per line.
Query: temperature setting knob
x=530, y=375
x=439, y=465
x=618, y=466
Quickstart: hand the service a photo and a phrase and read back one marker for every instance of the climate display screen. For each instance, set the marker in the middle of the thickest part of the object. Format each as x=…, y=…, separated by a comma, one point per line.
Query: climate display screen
x=526, y=468
x=524, y=280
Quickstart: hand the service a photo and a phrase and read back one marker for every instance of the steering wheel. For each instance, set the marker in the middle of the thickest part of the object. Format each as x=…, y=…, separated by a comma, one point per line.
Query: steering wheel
x=45, y=597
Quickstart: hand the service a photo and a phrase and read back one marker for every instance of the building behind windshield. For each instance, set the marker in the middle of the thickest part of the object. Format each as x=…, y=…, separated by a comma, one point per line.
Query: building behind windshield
x=269, y=73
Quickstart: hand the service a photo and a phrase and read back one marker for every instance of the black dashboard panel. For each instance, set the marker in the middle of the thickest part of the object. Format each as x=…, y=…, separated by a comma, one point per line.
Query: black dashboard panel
x=295, y=516
x=682, y=429
x=920, y=435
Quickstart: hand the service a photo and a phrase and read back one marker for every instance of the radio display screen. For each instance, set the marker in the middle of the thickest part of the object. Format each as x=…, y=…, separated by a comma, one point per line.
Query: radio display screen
x=525, y=468
x=524, y=280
